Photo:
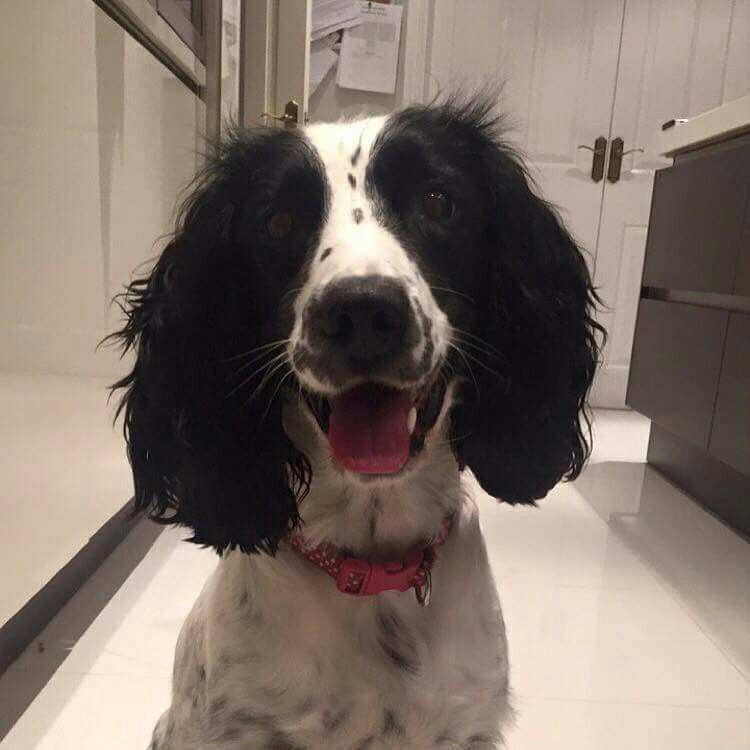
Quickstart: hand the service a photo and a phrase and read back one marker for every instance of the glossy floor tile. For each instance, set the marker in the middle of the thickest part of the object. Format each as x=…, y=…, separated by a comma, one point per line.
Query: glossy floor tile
x=627, y=605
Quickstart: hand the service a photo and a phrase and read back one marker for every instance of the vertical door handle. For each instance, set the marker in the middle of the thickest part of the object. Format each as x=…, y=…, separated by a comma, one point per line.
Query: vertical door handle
x=615, y=159
x=290, y=118
x=597, y=163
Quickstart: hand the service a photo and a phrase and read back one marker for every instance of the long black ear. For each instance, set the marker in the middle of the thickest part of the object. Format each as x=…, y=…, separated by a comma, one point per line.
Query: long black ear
x=202, y=455
x=524, y=418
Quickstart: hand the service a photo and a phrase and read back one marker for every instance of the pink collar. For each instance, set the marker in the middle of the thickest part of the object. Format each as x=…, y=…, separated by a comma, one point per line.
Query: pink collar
x=360, y=577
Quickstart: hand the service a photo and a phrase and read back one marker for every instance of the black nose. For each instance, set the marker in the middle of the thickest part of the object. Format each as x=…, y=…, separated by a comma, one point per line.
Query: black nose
x=363, y=318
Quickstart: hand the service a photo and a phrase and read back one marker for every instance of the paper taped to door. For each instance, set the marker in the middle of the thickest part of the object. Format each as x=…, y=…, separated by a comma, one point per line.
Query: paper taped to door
x=369, y=52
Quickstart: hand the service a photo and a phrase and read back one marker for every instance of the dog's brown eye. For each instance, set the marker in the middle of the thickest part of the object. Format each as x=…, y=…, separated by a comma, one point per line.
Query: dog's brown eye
x=437, y=205
x=280, y=224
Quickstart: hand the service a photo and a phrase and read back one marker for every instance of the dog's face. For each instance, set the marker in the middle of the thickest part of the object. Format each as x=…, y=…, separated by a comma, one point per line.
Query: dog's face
x=385, y=278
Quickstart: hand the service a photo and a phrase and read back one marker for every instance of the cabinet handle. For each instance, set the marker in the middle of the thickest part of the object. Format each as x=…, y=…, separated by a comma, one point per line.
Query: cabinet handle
x=615, y=159
x=599, y=151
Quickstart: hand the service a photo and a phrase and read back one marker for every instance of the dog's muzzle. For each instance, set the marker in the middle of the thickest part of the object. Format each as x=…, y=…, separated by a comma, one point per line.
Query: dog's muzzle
x=374, y=357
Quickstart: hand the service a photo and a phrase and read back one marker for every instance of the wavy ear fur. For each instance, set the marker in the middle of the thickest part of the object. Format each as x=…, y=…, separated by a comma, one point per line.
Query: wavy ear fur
x=202, y=457
x=527, y=428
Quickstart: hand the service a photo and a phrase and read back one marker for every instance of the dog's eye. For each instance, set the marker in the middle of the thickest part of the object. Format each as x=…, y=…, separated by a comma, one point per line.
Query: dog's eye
x=437, y=205
x=279, y=225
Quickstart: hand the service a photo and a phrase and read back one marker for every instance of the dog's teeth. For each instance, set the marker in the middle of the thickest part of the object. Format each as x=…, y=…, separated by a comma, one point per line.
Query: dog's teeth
x=411, y=420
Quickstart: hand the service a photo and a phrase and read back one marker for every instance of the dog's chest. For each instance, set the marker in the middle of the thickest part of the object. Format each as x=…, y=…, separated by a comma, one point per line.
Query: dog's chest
x=289, y=662
x=376, y=680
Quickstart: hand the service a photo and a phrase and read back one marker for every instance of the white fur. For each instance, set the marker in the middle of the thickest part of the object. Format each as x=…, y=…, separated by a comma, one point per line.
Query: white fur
x=358, y=249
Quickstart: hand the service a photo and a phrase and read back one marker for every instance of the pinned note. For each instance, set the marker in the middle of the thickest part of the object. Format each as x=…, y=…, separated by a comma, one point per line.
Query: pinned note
x=369, y=52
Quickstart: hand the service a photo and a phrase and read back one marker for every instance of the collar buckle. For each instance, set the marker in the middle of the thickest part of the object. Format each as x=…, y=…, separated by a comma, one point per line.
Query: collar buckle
x=364, y=578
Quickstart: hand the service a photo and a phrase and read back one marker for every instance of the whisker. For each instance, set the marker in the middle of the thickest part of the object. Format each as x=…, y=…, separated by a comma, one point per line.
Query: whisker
x=255, y=359
x=479, y=339
x=478, y=361
x=267, y=365
x=279, y=342
x=466, y=361
x=452, y=291
x=477, y=348
x=266, y=378
x=275, y=393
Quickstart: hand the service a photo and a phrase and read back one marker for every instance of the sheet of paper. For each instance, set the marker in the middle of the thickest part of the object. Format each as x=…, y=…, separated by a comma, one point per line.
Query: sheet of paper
x=369, y=52
x=322, y=59
x=333, y=15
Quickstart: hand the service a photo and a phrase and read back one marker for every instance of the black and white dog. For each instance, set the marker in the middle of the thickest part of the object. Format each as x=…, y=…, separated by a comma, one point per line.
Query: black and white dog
x=348, y=316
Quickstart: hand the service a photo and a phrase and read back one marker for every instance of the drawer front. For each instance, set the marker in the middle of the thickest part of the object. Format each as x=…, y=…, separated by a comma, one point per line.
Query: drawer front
x=730, y=437
x=674, y=372
x=742, y=287
x=697, y=218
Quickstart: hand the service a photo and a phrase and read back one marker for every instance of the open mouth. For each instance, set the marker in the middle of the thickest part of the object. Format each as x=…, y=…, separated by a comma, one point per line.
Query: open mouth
x=374, y=428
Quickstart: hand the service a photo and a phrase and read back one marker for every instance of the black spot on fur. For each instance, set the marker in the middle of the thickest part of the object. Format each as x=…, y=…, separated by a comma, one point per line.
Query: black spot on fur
x=480, y=742
x=397, y=643
x=333, y=720
x=358, y=215
x=229, y=734
x=391, y=724
x=352, y=180
x=325, y=253
x=356, y=155
x=217, y=705
x=201, y=673
x=305, y=707
x=281, y=741
x=251, y=719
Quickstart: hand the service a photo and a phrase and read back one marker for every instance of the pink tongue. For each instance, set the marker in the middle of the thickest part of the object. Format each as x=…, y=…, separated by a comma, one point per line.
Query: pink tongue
x=368, y=429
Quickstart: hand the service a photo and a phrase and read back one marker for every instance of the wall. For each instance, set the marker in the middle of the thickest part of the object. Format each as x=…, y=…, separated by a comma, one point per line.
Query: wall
x=96, y=140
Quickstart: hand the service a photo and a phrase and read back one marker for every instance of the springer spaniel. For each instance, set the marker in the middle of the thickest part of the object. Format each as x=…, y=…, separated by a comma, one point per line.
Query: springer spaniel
x=349, y=316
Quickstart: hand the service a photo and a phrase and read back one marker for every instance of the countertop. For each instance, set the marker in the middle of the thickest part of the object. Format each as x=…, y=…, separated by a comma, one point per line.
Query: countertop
x=730, y=119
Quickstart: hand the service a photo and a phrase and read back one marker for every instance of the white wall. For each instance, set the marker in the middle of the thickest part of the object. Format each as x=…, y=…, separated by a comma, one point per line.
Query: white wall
x=96, y=140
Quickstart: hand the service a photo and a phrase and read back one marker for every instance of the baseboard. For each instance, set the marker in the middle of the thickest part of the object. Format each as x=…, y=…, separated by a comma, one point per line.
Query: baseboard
x=33, y=617
x=609, y=387
x=719, y=488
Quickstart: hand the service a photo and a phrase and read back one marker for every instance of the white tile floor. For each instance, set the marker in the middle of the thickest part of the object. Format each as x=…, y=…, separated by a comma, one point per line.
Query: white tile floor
x=628, y=612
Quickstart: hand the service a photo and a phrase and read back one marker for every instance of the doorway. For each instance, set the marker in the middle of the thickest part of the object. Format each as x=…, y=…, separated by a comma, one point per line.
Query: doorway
x=585, y=80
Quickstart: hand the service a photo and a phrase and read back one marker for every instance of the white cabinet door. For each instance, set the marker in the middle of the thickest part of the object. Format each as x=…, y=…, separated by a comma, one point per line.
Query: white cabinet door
x=678, y=58
x=276, y=58
x=559, y=64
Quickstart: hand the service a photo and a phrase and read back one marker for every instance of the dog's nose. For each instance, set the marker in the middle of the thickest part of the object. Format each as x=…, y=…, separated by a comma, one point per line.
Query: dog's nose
x=363, y=318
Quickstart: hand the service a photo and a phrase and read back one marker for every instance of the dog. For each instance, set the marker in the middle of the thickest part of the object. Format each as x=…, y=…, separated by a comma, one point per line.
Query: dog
x=349, y=318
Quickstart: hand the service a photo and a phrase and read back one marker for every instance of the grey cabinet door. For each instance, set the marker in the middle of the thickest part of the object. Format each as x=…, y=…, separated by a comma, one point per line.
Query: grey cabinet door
x=697, y=220
x=674, y=373
x=730, y=438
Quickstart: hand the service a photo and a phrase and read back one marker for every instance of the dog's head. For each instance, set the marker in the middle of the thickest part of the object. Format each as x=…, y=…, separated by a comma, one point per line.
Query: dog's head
x=388, y=279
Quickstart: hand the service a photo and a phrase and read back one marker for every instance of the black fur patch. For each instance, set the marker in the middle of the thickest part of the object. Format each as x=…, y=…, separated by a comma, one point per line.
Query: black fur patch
x=325, y=253
x=352, y=180
x=358, y=215
x=334, y=720
x=391, y=723
x=356, y=155
x=512, y=283
x=397, y=643
x=207, y=447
